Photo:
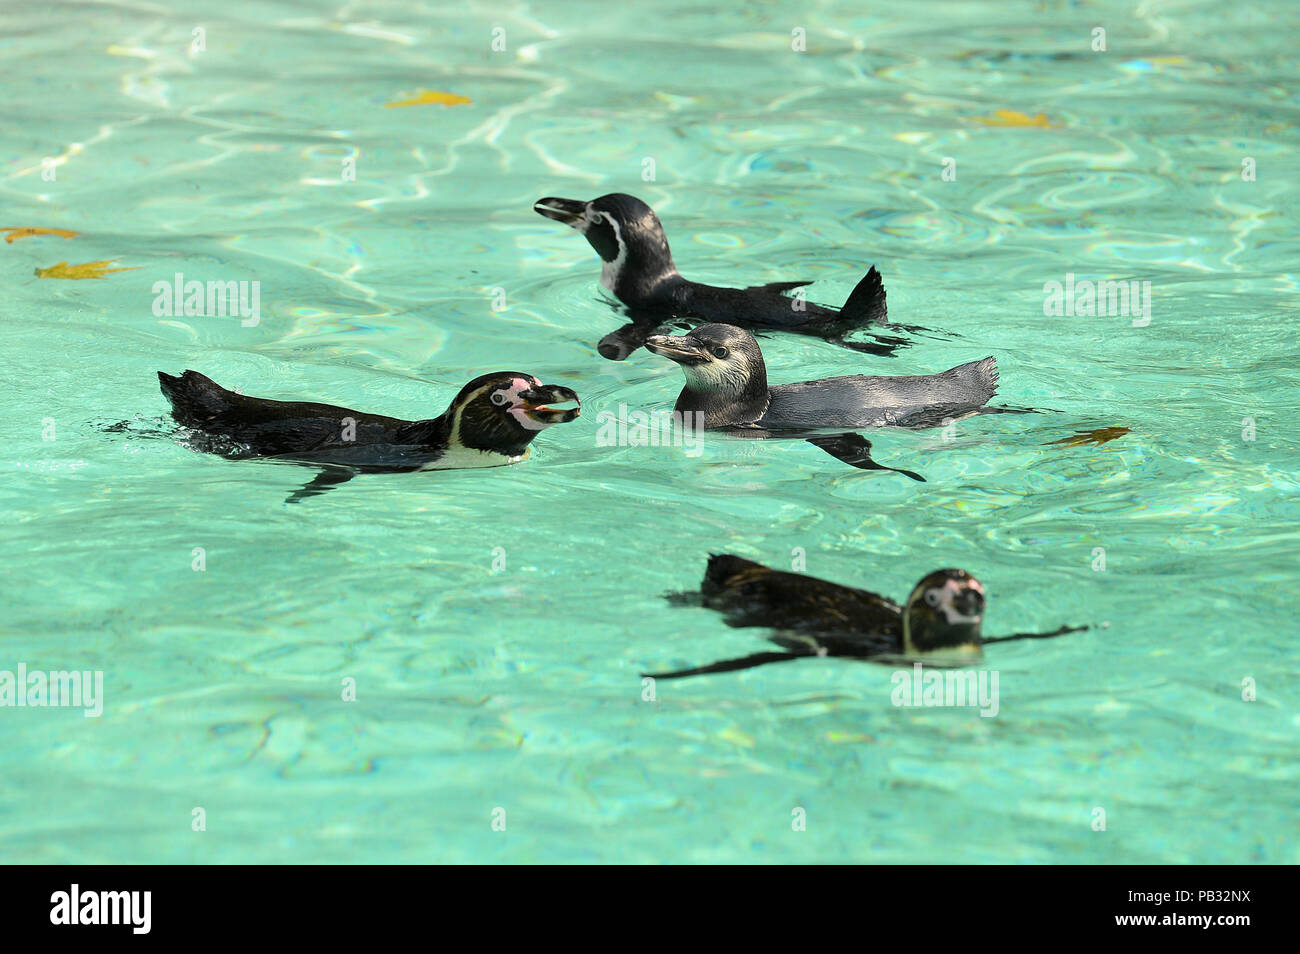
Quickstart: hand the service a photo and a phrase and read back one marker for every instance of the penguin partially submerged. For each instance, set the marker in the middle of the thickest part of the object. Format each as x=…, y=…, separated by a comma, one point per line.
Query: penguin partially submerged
x=726, y=383
x=940, y=623
x=490, y=423
x=638, y=268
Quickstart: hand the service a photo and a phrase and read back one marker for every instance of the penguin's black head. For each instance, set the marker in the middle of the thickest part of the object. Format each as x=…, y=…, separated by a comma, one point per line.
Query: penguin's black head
x=720, y=358
x=626, y=234
x=502, y=412
x=944, y=615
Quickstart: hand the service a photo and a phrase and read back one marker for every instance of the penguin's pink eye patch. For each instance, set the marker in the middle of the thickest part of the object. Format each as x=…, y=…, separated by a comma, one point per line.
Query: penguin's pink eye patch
x=961, y=601
x=511, y=396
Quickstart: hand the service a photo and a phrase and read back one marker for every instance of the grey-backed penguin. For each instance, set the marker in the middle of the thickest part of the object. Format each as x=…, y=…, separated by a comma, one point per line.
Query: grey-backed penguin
x=726, y=383
x=940, y=623
x=491, y=422
x=638, y=268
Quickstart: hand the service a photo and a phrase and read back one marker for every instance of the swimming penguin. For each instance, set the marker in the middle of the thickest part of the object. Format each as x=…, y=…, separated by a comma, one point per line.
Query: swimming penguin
x=638, y=268
x=726, y=382
x=940, y=623
x=489, y=423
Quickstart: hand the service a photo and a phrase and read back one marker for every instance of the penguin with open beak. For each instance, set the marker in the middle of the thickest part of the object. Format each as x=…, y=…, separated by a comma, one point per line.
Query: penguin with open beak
x=490, y=423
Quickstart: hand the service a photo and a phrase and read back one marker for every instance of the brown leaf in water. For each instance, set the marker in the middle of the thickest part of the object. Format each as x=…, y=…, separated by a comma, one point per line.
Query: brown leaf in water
x=17, y=233
x=1100, y=436
x=88, y=270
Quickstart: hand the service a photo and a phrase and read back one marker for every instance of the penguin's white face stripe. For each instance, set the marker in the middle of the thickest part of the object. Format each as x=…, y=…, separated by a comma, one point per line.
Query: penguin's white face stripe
x=454, y=440
x=506, y=398
x=609, y=271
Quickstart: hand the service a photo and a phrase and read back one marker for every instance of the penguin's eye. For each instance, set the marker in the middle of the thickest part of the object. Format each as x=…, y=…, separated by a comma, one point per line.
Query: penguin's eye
x=720, y=352
x=932, y=597
x=499, y=398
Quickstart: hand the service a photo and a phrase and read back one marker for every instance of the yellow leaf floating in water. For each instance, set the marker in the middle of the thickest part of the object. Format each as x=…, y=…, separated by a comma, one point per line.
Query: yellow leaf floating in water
x=1098, y=437
x=17, y=233
x=88, y=270
x=431, y=96
x=1010, y=117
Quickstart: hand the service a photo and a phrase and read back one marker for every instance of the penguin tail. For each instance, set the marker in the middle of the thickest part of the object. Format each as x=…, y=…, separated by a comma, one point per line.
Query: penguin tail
x=987, y=371
x=975, y=382
x=194, y=397
x=866, y=305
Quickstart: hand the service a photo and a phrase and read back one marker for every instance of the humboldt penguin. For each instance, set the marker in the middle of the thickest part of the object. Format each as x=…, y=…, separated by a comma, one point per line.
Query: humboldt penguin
x=940, y=623
x=726, y=385
x=490, y=423
x=638, y=268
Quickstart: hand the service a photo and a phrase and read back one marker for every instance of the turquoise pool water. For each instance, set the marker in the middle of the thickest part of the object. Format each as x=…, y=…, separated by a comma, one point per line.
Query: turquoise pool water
x=489, y=689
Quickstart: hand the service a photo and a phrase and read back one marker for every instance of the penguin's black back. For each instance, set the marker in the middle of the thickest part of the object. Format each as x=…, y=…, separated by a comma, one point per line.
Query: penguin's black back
x=742, y=307
x=751, y=594
x=267, y=428
x=765, y=307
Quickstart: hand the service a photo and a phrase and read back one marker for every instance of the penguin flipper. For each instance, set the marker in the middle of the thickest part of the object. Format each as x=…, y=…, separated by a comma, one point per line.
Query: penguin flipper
x=866, y=303
x=323, y=481
x=855, y=450
x=727, y=665
x=1015, y=410
x=882, y=345
x=1054, y=633
x=619, y=344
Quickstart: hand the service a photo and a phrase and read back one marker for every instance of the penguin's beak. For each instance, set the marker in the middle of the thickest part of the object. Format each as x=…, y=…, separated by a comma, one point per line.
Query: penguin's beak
x=536, y=401
x=679, y=349
x=571, y=212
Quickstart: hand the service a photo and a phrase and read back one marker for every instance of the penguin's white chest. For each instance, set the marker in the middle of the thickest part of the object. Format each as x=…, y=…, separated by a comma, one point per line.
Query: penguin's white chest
x=459, y=458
